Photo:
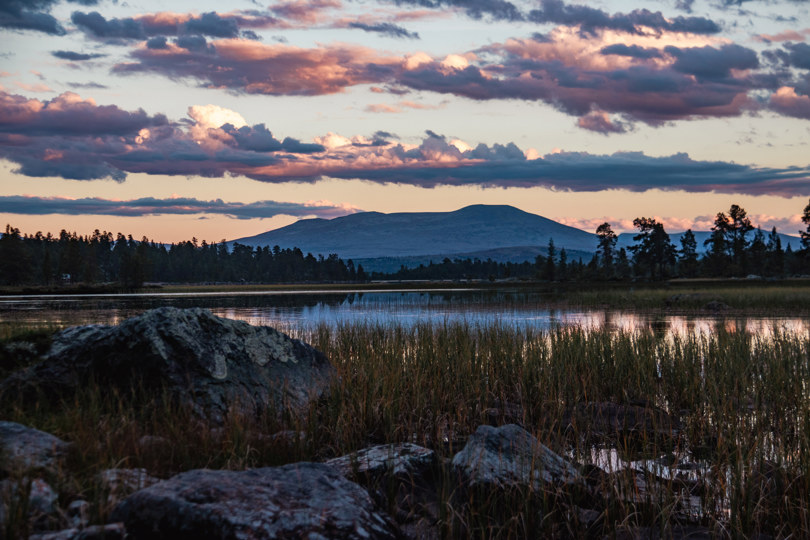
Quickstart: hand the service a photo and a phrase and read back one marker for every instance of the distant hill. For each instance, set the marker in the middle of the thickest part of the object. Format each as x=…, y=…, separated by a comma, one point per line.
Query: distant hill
x=469, y=230
x=384, y=242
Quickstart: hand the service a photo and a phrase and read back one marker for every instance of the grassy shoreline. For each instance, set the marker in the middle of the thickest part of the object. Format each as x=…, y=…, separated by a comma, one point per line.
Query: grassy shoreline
x=741, y=402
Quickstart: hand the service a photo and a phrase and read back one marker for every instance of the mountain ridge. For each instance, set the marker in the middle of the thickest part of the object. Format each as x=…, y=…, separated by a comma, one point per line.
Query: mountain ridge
x=502, y=232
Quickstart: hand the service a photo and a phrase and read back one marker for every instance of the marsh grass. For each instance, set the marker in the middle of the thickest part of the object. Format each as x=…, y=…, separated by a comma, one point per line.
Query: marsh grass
x=741, y=401
x=751, y=298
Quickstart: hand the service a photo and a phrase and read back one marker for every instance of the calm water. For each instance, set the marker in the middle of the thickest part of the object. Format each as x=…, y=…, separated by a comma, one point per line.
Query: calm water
x=296, y=309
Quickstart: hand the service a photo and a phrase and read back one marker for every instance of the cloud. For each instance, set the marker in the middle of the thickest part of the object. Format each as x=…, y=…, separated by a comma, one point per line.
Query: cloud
x=95, y=25
x=304, y=11
x=639, y=21
x=149, y=206
x=600, y=122
x=653, y=79
x=211, y=24
x=399, y=107
x=159, y=25
x=633, y=51
x=500, y=10
x=72, y=138
x=786, y=101
x=787, y=35
x=259, y=68
x=708, y=63
x=75, y=56
x=33, y=15
x=69, y=115
x=385, y=28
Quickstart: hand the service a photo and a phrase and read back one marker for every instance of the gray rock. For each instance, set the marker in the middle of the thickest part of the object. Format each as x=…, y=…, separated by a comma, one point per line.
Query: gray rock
x=215, y=365
x=25, y=448
x=404, y=460
x=301, y=500
x=119, y=483
x=78, y=513
x=111, y=531
x=509, y=456
x=35, y=496
x=399, y=477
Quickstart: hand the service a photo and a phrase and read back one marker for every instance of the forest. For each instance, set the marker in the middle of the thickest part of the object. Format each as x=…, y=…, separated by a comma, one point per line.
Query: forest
x=735, y=248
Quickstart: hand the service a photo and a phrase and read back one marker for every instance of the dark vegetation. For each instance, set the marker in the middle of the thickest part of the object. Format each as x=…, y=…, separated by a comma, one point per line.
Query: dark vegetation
x=735, y=249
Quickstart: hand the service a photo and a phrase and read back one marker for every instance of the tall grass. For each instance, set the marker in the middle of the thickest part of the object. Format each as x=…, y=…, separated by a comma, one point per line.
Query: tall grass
x=743, y=403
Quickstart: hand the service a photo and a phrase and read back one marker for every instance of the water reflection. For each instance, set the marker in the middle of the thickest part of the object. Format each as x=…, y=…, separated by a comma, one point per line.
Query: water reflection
x=307, y=309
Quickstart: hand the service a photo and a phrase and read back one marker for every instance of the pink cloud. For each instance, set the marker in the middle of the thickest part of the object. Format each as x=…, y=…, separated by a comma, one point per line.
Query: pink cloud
x=788, y=35
x=786, y=101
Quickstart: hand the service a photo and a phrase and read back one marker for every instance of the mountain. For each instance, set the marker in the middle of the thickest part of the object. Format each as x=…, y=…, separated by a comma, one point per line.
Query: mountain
x=384, y=242
x=473, y=229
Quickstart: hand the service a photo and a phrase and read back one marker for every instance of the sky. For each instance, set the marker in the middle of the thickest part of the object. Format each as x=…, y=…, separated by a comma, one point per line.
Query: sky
x=217, y=122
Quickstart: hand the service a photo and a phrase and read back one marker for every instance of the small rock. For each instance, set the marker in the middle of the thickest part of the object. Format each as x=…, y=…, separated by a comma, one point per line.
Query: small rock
x=509, y=456
x=288, y=437
x=153, y=442
x=403, y=460
x=42, y=498
x=716, y=305
x=111, y=531
x=24, y=448
x=120, y=483
x=309, y=500
x=78, y=513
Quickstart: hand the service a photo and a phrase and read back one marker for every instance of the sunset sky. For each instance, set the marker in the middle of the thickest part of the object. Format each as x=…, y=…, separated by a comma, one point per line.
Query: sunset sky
x=215, y=123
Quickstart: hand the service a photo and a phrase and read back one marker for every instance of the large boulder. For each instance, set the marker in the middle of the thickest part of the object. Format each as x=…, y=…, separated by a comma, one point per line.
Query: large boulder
x=213, y=364
x=509, y=457
x=301, y=500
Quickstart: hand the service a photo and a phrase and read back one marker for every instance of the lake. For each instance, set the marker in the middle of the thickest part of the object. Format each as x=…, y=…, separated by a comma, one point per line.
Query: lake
x=288, y=310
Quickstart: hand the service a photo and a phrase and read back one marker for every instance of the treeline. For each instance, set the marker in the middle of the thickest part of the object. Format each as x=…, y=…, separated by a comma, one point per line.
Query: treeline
x=102, y=258
x=734, y=249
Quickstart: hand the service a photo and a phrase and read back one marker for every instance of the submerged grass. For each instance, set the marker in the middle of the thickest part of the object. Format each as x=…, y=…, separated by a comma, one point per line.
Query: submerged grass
x=742, y=401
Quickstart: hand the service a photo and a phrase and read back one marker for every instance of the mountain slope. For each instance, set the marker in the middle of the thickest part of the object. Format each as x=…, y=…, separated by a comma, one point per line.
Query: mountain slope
x=470, y=229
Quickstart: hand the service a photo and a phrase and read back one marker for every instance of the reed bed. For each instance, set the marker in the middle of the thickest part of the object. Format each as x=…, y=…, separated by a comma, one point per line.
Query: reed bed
x=738, y=463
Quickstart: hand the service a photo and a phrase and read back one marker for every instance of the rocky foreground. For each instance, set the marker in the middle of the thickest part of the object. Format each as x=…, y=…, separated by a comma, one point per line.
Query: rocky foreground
x=218, y=367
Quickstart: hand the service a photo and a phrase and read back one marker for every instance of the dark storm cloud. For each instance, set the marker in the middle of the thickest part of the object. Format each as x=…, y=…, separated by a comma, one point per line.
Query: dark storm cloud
x=590, y=20
x=149, y=206
x=386, y=29
x=75, y=56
